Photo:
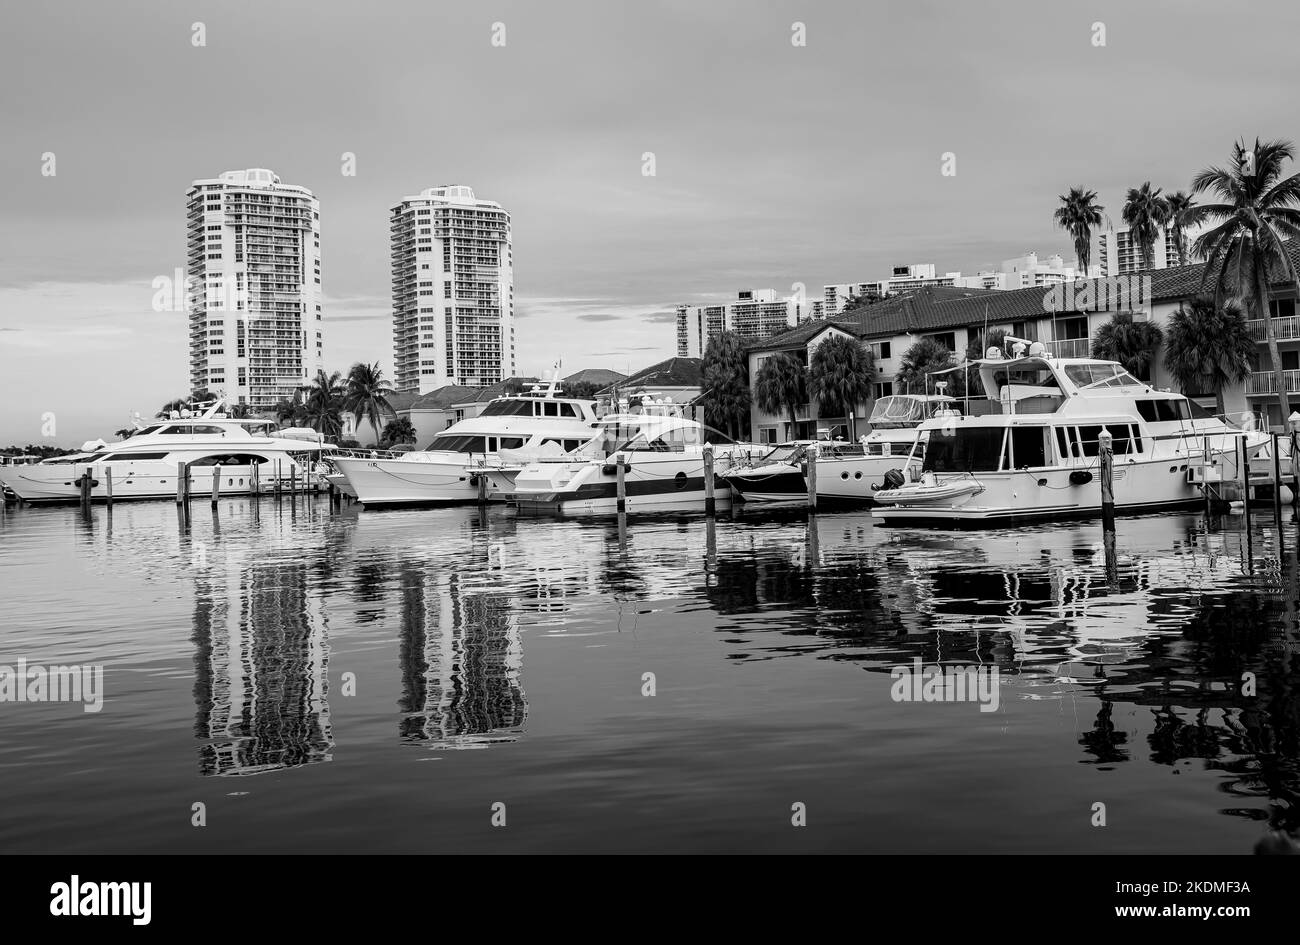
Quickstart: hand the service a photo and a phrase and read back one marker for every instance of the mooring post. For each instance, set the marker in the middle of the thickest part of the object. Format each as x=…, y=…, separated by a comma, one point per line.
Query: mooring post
x=108, y=486
x=255, y=484
x=1243, y=466
x=85, y=485
x=279, y=486
x=180, y=483
x=216, y=484
x=811, y=476
x=620, y=474
x=1208, y=464
x=1276, y=445
x=293, y=479
x=708, y=479
x=1107, y=461
x=482, y=488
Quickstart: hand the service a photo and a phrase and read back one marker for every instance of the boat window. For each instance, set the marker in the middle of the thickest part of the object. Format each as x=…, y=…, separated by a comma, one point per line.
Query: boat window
x=134, y=457
x=1063, y=443
x=1135, y=434
x=458, y=444
x=1029, y=447
x=551, y=408
x=569, y=410
x=511, y=443
x=230, y=459
x=1088, y=440
x=1120, y=445
x=189, y=429
x=1163, y=410
x=1100, y=375
x=970, y=449
x=508, y=408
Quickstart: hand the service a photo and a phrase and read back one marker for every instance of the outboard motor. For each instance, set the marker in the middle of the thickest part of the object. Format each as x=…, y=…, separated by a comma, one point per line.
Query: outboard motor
x=893, y=479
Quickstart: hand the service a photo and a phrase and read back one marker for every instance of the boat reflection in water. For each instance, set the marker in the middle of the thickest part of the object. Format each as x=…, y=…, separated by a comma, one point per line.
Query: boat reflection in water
x=260, y=660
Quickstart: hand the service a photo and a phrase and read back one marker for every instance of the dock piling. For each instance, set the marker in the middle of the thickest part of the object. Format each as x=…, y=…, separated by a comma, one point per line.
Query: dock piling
x=1243, y=466
x=86, y=486
x=709, y=504
x=1276, y=445
x=216, y=484
x=182, y=484
x=621, y=478
x=1106, y=459
x=108, y=486
x=811, y=476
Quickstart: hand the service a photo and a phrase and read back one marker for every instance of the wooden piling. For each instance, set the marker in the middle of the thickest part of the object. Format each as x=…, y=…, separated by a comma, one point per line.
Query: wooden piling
x=85, y=485
x=621, y=477
x=1243, y=465
x=811, y=476
x=216, y=484
x=108, y=486
x=1106, y=459
x=1208, y=460
x=293, y=479
x=482, y=488
x=182, y=485
x=709, y=505
x=279, y=486
x=255, y=484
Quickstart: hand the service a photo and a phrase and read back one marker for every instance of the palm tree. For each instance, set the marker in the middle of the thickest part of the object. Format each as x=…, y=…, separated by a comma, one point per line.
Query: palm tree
x=366, y=395
x=870, y=297
x=1145, y=211
x=780, y=385
x=1182, y=214
x=840, y=373
x=1208, y=347
x=976, y=348
x=400, y=430
x=289, y=411
x=1078, y=214
x=1133, y=344
x=1244, y=247
x=923, y=358
x=323, y=403
x=724, y=382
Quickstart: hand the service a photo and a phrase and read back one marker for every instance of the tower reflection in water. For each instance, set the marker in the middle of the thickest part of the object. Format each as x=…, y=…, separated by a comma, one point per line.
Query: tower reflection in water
x=460, y=655
x=260, y=662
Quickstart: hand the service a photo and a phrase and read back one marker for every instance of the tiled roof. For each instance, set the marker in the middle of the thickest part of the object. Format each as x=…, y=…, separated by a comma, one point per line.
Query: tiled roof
x=673, y=372
x=444, y=397
x=599, y=376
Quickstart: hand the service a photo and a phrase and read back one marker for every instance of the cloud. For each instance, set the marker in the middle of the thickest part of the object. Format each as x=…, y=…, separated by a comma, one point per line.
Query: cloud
x=598, y=317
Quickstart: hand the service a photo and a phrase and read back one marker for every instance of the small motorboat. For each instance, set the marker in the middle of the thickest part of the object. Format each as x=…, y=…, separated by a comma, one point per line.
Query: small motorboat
x=930, y=491
x=776, y=476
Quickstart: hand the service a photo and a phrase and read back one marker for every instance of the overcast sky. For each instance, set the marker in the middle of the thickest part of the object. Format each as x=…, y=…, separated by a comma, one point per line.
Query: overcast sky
x=775, y=163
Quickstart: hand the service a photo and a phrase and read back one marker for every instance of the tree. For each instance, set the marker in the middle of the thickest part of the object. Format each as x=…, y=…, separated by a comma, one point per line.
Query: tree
x=366, y=395
x=781, y=385
x=582, y=390
x=323, y=403
x=923, y=358
x=724, y=382
x=1208, y=347
x=870, y=297
x=840, y=373
x=1182, y=214
x=1078, y=214
x=1244, y=247
x=1133, y=344
x=396, y=431
x=290, y=412
x=1145, y=211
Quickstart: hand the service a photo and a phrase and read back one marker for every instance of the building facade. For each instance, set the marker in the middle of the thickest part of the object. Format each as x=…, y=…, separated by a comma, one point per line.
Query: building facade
x=453, y=291
x=753, y=315
x=253, y=287
x=1119, y=254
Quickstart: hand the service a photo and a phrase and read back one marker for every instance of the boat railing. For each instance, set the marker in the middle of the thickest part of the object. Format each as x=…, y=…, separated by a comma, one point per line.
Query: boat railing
x=364, y=454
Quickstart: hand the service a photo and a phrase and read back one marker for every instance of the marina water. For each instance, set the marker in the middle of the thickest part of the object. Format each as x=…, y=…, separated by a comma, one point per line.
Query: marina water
x=306, y=680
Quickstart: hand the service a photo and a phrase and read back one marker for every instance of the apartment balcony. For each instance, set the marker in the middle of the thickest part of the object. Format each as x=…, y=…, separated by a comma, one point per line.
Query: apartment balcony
x=1287, y=328
x=1261, y=382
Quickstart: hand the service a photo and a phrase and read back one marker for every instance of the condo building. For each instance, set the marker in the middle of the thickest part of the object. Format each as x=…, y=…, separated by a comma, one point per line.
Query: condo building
x=253, y=287
x=453, y=291
x=754, y=314
x=1118, y=253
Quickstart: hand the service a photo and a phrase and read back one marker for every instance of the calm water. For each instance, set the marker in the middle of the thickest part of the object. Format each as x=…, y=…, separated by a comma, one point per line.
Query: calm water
x=376, y=681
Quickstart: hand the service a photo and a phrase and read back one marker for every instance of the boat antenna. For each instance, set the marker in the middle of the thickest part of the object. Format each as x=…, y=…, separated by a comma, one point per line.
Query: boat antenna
x=555, y=379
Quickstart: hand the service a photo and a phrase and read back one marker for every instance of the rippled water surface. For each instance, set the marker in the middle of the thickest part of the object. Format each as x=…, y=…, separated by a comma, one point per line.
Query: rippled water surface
x=377, y=681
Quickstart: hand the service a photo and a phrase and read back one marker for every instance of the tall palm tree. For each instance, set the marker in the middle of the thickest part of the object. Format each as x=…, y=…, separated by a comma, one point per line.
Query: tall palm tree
x=366, y=395
x=1145, y=212
x=1182, y=214
x=780, y=385
x=923, y=358
x=1078, y=214
x=1208, y=347
x=1133, y=344
x=289, y=411
x=1244, y=249
x=724, y=383
x=840, y=373
x=323, y=403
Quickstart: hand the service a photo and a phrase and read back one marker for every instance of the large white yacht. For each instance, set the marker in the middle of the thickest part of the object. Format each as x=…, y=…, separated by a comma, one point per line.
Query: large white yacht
x=664, y=452
x=144, y=465
x=511, y=431
x=1031, y=451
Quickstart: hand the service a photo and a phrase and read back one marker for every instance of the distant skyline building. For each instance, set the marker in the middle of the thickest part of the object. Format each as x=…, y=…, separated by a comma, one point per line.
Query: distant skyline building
x=754, y=314
x=1118, y=253
x=1016, y=273
x=253, y=287
x=453, y=290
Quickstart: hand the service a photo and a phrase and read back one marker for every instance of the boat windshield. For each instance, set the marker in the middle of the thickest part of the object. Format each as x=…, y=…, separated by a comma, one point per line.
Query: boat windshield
x=966, y=449
x=785, y=453
x=897, y=411
x=508, y=407
x=1100, y=375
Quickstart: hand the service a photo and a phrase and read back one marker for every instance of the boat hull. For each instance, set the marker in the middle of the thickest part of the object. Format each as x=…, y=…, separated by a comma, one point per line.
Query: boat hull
x=48, y=483
x=776, y=483
x=650, y=484
x=378, y=482
x=855, y=479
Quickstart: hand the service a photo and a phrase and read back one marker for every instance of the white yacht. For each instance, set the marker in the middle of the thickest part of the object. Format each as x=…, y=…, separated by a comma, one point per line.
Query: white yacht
x=145, y=464
x=664, y=452
x=1031, y=451
x=511, y=431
